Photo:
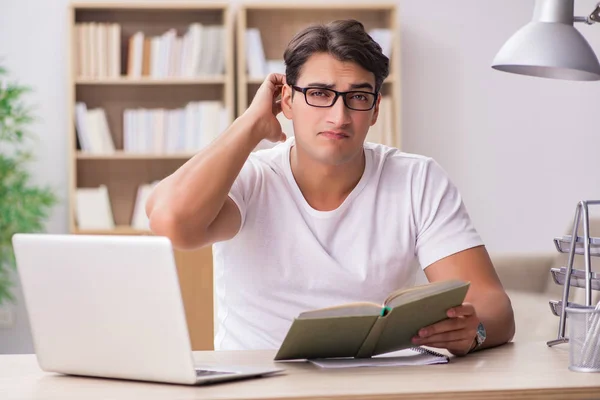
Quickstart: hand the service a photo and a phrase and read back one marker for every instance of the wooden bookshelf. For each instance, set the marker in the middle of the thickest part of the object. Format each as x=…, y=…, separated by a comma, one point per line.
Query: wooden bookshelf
x=123, y=171
x=278, y=22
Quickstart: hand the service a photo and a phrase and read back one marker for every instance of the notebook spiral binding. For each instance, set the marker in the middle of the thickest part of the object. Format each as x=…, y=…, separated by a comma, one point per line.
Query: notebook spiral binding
x=423, y=350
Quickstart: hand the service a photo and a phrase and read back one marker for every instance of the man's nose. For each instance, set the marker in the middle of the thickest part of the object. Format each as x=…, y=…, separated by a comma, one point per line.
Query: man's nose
x=338, y=113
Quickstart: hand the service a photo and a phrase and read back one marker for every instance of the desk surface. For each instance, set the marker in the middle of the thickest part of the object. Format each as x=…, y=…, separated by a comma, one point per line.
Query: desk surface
x=518, y=370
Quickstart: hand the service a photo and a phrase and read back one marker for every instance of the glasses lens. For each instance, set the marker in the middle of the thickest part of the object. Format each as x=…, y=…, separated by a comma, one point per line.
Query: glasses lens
x=360, y=100
x=319, y=97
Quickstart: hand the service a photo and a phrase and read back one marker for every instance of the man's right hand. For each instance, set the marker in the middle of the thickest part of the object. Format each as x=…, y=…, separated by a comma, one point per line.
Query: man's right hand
x=265, y=106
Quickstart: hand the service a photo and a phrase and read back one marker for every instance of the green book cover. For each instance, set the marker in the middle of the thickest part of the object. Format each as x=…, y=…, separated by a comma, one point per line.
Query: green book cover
x=368, y=329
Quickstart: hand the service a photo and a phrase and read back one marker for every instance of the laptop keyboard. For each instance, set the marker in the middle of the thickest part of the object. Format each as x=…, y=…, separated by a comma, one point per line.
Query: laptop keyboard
x=205, y=372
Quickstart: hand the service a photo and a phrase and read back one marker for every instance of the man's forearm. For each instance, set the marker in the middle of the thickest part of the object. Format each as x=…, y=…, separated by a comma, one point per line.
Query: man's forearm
x=495, y=312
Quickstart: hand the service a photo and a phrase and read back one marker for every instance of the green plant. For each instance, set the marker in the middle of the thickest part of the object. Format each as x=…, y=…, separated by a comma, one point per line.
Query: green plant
x=24, y=207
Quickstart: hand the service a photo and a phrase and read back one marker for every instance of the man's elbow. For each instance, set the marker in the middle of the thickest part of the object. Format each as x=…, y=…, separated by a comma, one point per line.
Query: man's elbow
x=504, y=314
x=510, y=320
x=167, y=224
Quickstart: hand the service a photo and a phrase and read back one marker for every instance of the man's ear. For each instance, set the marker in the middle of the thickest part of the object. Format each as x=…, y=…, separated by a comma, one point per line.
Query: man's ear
x=376, y=110
x=286, y=101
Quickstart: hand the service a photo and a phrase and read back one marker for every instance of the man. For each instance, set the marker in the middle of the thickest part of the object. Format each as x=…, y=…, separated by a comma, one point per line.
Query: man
x=324, y=218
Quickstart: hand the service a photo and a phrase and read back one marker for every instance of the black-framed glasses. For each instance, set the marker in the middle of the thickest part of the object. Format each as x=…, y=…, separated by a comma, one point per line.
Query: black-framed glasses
x=320, y=97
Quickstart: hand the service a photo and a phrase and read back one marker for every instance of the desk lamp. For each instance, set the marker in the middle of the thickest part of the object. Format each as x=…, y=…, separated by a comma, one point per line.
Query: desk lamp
x=550, y=46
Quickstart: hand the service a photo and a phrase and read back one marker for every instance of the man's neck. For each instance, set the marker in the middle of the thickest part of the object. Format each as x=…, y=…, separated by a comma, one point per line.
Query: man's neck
x=325, y=187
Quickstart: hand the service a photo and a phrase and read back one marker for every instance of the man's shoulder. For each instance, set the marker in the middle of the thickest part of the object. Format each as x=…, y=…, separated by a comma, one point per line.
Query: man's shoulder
x=393, y=159
x=270, y=155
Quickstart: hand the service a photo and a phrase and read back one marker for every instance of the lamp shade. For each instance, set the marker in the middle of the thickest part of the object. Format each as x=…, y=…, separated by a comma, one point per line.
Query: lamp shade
x=549, y=47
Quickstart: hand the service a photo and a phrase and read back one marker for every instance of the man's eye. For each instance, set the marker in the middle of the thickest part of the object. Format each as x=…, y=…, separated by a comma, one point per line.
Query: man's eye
x=359, y=97
x=318, y=93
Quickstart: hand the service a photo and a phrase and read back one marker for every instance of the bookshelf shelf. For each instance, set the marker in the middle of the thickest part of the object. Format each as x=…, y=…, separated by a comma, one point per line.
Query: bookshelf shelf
x=148, y=5
x=138, y=88
x=121, y=155
x=265, y=29
x=209, y=80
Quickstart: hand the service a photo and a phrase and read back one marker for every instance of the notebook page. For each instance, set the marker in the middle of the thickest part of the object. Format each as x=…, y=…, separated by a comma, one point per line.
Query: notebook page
x=406, y=357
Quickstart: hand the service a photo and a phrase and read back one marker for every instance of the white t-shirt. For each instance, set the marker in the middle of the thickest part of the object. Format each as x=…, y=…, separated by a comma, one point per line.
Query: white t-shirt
x=288, y=257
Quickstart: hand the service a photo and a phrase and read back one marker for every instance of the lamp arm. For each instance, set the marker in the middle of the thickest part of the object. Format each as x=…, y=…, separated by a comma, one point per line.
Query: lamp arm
x=592, y=18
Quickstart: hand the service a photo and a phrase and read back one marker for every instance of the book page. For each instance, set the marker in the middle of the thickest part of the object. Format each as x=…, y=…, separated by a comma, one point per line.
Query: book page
x=404, y=296
x=343, y=310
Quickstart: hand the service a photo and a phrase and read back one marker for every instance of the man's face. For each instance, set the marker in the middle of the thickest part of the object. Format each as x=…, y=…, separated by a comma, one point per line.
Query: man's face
x=332, y=135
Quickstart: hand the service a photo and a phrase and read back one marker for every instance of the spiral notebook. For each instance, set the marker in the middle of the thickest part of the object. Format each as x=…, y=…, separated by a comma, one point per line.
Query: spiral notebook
x=407, y=357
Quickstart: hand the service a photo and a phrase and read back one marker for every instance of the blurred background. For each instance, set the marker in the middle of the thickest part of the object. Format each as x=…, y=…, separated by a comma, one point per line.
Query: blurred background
x=522, y=150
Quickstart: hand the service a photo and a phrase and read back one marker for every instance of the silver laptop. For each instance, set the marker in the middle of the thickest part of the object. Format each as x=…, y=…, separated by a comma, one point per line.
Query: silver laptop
x=111, y=307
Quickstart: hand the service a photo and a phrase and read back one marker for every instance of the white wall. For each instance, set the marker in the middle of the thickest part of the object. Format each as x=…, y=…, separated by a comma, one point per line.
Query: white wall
x=509, y=142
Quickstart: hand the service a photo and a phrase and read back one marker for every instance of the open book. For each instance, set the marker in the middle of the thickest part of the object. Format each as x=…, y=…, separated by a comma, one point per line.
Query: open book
x=364, y=330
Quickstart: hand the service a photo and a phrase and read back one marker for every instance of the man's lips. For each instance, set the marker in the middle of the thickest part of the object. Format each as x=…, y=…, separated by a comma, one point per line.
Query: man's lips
x=335, y=135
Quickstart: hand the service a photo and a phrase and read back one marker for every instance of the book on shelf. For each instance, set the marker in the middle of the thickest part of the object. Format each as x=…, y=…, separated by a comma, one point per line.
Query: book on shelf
x=97, y=50
x=167, y=131
x=255, y=54
x=257, y=65
x=200, y=51
x=364, y=329
x=93, y=209
x=93, y=132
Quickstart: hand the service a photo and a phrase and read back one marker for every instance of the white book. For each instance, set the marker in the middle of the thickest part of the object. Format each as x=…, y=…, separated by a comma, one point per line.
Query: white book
x=108, y=146
x=92, y=49
x=157, y=133
x=137, y=55
x=194, y=139
x=219, y=64
x=146, y=132
x=194, y=57
x=93, y=128
x=84, y=50
x=181, y=122
x=81, y=127
x=115, y=48
x=167, y=40
x=101, y=46
x=207, y=49
x=210, y=121
x=155, y=46
x=93, y=209
x=255, y=54
x=175, y=67
x=127, y=142
x=79, y=46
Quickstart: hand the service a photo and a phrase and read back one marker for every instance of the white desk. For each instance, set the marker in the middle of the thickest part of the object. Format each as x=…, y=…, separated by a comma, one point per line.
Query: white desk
x=512, y=371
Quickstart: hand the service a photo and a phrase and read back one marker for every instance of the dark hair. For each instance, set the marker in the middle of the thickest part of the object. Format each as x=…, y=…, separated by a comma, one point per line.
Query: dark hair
x=346, y=40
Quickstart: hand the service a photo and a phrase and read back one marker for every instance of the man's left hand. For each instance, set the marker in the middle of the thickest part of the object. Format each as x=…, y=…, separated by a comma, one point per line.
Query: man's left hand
x=456, y=334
